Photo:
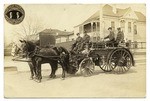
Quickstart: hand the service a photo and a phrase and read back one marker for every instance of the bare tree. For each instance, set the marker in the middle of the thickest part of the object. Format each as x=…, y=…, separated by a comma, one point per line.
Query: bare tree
x=31, y=26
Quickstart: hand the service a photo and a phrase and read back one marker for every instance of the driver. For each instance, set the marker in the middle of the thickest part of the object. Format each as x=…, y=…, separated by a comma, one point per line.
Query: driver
x=85, y=40
x=77, y=43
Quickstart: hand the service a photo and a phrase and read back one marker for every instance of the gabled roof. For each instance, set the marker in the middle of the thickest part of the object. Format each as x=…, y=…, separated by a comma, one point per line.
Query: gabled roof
x=140, y=16
x=108, y=11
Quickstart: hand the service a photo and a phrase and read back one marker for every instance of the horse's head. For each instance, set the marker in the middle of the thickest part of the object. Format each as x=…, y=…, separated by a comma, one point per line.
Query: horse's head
x=24, y=46
x=65, y=56
x=27, y=47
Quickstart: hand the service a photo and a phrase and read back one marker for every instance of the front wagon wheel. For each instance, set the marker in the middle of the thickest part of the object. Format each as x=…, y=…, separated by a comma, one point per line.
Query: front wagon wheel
x=120, y=61
x=87, y=67
x=103, y=64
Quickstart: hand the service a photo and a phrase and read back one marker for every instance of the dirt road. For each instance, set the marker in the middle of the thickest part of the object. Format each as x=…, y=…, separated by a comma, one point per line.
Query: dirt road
x=100, y=84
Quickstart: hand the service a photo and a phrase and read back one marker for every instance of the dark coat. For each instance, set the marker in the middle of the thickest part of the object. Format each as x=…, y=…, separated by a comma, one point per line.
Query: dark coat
x=78, y=40
x=86, y=39
x=120, y=36
x=111, y=36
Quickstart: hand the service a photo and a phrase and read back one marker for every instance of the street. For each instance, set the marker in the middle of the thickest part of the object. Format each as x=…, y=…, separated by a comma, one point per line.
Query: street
x=100, y=84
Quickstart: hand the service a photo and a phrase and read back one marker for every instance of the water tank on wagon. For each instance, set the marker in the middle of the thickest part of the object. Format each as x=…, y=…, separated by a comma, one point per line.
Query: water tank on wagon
x=47, y=39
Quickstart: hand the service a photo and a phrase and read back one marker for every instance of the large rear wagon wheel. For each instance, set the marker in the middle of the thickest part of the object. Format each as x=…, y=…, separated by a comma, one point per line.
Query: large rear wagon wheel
x=87, y=67
x=120, y=61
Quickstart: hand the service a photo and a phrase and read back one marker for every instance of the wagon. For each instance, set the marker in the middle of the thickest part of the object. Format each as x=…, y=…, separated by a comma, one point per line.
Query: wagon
x=109, y=57
x=114, y=59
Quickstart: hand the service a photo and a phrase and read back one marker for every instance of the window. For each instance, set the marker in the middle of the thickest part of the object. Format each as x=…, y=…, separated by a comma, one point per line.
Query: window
x=87, y=27
x=122, y=25
x=135, y=29
x=129, y=27
x=113, y=25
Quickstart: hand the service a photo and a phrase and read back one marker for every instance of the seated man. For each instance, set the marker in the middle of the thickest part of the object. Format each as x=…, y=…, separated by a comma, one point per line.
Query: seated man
x=85, y=40
x=111, y=37
x=120, y=36
x=77, y=43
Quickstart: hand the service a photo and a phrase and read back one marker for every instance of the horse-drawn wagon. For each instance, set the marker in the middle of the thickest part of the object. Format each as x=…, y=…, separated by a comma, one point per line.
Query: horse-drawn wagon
x=112, y=58
x=116, y=59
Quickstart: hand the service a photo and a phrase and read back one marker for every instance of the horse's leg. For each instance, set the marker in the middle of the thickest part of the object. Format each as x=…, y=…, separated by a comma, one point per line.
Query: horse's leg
x=39, y=73
x=34, y=68
x=31, y=70
x=63, y=70
x=38, y=70
x=54, y=67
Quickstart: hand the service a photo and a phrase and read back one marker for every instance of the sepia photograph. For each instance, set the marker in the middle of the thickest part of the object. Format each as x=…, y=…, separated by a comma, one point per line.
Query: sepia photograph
x=75, y=50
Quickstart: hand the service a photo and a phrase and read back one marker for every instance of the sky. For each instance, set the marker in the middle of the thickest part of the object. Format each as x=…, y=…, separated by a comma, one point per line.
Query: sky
x=62, y=17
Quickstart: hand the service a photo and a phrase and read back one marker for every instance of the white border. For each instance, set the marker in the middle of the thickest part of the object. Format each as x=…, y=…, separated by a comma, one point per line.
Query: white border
x=72, y=2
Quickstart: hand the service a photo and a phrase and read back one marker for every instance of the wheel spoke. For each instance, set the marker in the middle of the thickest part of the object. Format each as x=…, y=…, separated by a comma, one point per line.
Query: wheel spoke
x=124, y=68
x=87, y=67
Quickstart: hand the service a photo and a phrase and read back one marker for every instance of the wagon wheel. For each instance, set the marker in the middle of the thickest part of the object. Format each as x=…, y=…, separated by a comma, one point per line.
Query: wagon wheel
x=120, y=61
x=87, y=67
x=103, y=64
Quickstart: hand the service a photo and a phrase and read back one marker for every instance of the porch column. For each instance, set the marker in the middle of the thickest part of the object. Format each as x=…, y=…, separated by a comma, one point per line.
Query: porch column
x=96, y=30
x=96, y=27
x=100, y=21
x=91, y=27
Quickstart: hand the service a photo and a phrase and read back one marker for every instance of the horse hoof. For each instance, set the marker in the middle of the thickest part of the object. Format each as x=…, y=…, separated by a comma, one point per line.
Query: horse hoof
x=62, y=78
x=38, y=81
x=52, y=76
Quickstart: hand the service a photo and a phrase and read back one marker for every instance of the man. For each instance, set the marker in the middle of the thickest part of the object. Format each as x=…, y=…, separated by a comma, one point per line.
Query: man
x=85, y=40
x=77, y=43
x=120, y=36
x=111, y=37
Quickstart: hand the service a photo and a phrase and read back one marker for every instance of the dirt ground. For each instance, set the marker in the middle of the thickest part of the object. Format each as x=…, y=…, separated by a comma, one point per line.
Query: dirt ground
x=100, y=84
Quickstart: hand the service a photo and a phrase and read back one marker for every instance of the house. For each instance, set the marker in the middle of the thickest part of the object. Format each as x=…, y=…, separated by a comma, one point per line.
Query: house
x=61, y=36
x=132, y=23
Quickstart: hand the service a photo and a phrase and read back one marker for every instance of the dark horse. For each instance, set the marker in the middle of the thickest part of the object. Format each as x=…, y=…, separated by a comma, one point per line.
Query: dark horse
x=51, y=55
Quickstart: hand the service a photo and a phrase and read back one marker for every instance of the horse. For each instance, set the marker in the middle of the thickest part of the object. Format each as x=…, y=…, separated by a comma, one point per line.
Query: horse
x=17, y=53
x=51, y=55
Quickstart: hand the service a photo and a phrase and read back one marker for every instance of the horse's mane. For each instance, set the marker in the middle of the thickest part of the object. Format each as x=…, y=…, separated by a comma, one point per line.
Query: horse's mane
x=31, y=46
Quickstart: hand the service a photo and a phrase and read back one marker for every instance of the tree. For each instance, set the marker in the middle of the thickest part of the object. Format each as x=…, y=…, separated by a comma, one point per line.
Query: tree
x=31, y=26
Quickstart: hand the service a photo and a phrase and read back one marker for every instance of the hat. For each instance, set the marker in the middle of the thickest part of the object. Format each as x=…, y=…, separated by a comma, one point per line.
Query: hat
x=118, y=28
x=77, y=33
x=109, y=28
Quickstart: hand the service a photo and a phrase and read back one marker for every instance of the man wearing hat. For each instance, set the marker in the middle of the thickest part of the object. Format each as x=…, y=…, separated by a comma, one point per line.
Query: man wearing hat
x=77, y=43
x=120, y=36
x=111, y=36
x=85, y=40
